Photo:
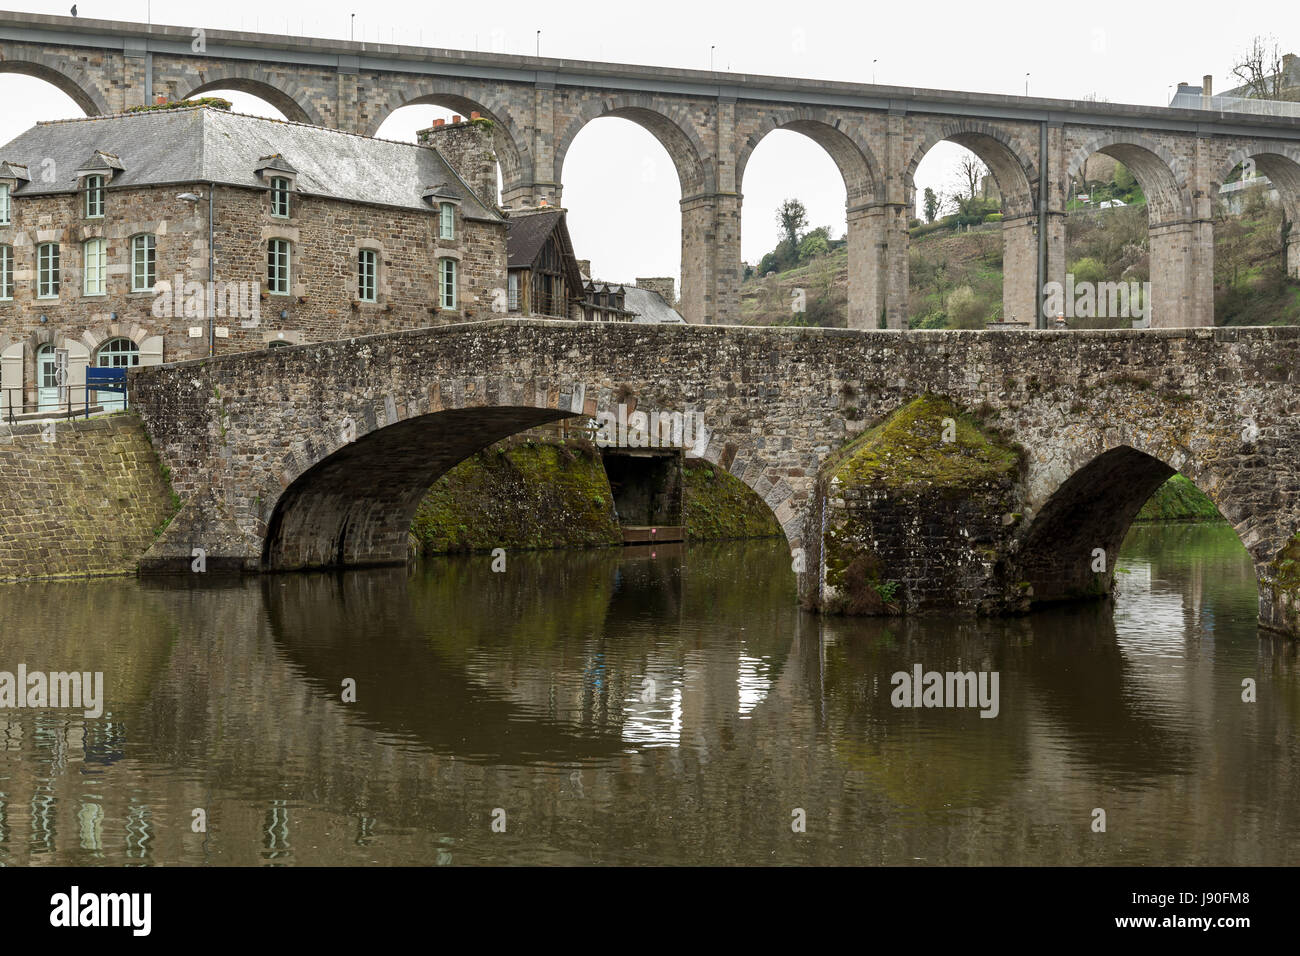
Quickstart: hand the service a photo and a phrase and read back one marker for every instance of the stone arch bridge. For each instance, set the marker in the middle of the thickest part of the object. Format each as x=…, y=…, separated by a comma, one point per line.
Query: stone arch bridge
x=317, y=455
x=710, y=124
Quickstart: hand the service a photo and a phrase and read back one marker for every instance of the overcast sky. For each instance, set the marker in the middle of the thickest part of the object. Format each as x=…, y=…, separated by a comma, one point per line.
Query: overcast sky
x=619, y=184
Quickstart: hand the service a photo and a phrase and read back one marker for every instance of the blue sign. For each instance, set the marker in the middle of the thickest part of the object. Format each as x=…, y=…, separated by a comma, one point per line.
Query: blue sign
x=106, y=379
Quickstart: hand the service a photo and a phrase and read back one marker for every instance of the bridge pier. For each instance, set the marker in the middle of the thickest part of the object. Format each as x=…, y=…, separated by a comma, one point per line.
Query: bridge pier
x=1293, y=252
x=1020, y=270
x=866, y=260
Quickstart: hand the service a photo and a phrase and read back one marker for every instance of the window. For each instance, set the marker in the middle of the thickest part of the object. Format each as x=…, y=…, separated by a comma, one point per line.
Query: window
x=447, y=283
x=47, y=270
x=277, y=344
x=93, y=255
x=512, y=282
x=366, y=270
x=118, y=353
x=4, y=205
x=280, y=197
x=6, y=272
x=144, y=263
x=277, y=267
x=447, y=221
x=94, y=197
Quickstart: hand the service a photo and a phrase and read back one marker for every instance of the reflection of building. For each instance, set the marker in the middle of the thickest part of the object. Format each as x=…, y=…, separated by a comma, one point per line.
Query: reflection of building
x=316, y=235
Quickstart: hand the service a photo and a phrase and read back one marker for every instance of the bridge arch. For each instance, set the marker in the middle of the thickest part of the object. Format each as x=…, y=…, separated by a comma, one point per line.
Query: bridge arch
x=1280, y=162
x=509, y=141
x=287, y=96
x=863, y=182
x=347, y=494
x=1014, y=171
x=67, y=77
x=1181, y=243
x=669, y=124
x=1092, y=508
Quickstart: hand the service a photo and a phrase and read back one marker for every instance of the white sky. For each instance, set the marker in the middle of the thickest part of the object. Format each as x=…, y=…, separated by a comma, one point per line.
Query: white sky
x=619, y=184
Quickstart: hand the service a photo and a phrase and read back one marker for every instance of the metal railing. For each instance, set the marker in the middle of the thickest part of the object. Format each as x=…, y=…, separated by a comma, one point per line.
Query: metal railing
x=73, y=401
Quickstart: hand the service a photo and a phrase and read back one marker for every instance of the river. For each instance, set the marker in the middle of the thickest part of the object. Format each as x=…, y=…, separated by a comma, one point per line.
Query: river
x=647, y=706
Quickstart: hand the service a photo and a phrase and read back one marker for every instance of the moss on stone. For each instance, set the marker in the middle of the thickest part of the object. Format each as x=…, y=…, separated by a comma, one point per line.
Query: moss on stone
x=909, y=451
x=523, y=494
x=716, y=504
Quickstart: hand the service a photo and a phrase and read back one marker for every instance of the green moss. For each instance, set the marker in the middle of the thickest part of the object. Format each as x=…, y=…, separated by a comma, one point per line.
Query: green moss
x=530, y=495
x=217, y=102
x=909, y=451
x=716, y=504
x=1286, y=569
x=1179, y=500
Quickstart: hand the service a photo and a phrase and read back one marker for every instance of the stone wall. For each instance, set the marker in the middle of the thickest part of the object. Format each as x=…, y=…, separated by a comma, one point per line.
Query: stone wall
x=90, y=501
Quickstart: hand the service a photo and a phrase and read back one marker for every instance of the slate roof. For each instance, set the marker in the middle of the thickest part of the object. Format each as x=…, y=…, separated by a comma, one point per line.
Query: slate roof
x=649, y=307
x=202, y=144
x=526, y=234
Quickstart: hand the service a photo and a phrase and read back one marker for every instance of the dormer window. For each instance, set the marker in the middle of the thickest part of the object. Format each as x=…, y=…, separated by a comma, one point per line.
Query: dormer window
x=94, y=194
x=279, y=197
x=4, y=204
x=447, y=221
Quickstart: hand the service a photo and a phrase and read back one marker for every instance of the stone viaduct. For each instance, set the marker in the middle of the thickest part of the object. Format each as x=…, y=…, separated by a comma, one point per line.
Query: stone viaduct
x=317, y=455
x=710, y=123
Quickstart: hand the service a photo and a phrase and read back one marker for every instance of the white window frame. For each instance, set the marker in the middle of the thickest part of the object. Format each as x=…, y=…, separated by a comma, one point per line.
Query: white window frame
x=94, y=197
x=279, y=197
x=108, y=354
x=279, y=274
x=5, y=207
x=367, y=275
x=48, y=270
x=447, y=283
x=144, y=252
x=6, y=272
x=447, y=221
x=94, y=267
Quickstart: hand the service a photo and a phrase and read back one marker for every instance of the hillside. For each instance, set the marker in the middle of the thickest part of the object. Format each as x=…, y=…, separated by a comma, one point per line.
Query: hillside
x=956, y=276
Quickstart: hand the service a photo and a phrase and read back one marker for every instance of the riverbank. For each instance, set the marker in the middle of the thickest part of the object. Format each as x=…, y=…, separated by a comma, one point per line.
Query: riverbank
x=1178, y=500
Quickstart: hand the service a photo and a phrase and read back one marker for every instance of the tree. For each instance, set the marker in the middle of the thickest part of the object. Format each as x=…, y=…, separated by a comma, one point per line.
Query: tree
x=931, y=204
x=971, y=171
x=793, y=219
x=814, y=244
x=1260, y=69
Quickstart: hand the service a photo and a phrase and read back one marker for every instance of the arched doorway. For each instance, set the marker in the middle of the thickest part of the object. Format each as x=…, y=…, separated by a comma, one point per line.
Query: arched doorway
x=116, y=353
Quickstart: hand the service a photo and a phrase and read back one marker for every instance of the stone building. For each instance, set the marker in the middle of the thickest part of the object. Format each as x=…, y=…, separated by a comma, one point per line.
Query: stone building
x=316, y=234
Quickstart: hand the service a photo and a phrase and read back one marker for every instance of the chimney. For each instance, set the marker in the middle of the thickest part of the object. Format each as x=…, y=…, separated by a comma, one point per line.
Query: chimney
x=584, y=266
x=664, y=285
x=467, y=148
x=1207, y=91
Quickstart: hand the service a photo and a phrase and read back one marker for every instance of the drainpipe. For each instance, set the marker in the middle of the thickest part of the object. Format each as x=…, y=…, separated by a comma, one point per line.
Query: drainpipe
x=1042, y=223
x=211, y=296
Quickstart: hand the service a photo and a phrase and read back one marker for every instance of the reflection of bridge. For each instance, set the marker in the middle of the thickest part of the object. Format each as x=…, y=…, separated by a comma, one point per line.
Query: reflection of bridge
x=710, y=124
x=279, y=471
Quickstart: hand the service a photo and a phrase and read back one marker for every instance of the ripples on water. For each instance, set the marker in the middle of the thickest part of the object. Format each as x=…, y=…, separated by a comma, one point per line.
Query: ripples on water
x=633, y=706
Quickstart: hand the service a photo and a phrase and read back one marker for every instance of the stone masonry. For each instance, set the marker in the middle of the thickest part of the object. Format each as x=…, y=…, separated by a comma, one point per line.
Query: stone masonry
x=277, y=472
x=79, y=498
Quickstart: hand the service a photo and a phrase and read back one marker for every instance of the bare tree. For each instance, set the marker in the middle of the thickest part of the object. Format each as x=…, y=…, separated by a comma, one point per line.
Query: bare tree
x=971, y=172
x=1260, y=69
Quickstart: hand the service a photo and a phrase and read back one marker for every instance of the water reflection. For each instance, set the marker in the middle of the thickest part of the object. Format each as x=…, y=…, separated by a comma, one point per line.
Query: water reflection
x=652, y=705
